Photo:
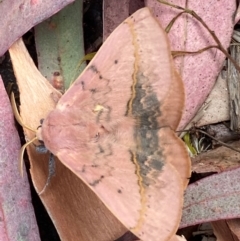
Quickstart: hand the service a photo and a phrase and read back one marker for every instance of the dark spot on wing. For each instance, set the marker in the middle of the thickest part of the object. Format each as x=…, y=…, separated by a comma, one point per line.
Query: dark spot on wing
x=94, y=183
x=104, y=151
x=100, y=150
x=93, y=68
x=83, y=85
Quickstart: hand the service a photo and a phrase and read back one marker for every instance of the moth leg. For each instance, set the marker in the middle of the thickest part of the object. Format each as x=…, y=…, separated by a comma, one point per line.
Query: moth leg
x=51, y=172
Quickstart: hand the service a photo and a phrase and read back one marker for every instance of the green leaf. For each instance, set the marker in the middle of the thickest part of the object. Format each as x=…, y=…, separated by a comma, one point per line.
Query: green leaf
x=60, y=45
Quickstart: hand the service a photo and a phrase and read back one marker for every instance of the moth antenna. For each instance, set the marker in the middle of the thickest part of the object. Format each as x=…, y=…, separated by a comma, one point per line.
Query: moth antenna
x=21, y=155
x=51, y=172
x=19, y=120
x=16, y=114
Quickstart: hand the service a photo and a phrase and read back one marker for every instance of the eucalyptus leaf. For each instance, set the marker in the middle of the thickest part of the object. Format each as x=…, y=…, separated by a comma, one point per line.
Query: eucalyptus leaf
x=60, y=46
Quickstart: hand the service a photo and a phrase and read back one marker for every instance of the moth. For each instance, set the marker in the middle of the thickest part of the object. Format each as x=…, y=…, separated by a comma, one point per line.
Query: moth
x=114, y=128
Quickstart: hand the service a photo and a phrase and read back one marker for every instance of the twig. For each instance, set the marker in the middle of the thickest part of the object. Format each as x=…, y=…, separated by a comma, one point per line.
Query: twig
x=212, y=33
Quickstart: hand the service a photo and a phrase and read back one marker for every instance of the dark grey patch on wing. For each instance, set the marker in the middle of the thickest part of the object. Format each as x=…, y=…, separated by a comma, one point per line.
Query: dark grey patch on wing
x=145, y=104
x=146, y=109
x=155, y=163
